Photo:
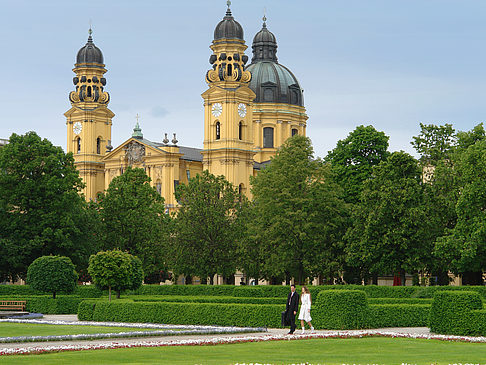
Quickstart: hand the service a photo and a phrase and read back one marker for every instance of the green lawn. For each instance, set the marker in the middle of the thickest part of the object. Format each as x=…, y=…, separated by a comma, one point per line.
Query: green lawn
x=27, y=329
x=375, y=350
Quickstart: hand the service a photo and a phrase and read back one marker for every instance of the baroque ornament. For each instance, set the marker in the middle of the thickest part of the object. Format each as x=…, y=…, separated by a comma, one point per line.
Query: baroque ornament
x=134, y=153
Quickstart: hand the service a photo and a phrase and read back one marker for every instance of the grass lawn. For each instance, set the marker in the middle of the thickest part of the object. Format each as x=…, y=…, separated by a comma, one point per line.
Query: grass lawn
x=375, y=350
x=25, y=329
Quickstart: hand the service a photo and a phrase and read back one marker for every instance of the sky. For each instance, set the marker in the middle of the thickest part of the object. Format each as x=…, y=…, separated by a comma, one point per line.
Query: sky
x=389, y=63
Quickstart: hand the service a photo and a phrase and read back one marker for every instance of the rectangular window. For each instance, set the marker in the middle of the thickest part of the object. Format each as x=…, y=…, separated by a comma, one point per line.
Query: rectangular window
x=268, y=137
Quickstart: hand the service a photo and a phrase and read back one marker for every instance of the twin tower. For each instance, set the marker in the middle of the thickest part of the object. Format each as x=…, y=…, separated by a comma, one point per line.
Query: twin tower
x=249, y=112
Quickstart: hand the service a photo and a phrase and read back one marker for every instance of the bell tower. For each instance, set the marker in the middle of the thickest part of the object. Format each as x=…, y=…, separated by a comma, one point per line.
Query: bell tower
x=228, y=107
x=89, y=119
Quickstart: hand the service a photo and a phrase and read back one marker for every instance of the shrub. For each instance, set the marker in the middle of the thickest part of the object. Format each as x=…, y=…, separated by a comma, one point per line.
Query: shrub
x=430, y=291
x=205, y=299
x=341, y=309
x=398, y=315
x=16, y=290
x=88, y=291
x=427, y=301
x=451, y=312
x=52, y=274
x=191, y=290
x=247, y=315
x=47, y=305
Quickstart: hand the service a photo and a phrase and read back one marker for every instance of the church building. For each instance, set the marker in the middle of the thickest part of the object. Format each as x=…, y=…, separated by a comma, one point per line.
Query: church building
x=249, y=112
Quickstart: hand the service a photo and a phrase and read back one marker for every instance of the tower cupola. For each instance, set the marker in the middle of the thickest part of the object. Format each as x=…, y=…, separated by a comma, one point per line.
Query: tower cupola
x=264, y=45
x=90, y=53
x=228, y=28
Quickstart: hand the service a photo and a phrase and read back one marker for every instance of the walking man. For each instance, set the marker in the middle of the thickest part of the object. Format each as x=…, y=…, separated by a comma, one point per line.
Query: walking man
x=291, y=308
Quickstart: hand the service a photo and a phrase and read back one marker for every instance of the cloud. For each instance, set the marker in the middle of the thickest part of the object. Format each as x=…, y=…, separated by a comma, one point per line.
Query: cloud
x=159, y=112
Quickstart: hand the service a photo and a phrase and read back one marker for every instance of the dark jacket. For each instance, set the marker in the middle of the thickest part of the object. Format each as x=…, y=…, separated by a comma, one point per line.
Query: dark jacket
x=292, y=305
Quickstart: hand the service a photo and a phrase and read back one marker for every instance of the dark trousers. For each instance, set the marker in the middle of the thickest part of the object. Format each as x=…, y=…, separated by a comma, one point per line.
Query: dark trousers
x=291, y=317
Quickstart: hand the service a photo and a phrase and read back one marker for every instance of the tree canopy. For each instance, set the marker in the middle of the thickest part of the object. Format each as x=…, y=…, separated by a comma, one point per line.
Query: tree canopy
x=133, y=218
x=353, y=158
x=299, y=219
x=207, y=226
x=41, y=210
x=390, y=231
x=115, y=270
x=52, y=274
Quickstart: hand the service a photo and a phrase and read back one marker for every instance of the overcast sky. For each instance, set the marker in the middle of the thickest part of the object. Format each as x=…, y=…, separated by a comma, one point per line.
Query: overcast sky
x=389, y=63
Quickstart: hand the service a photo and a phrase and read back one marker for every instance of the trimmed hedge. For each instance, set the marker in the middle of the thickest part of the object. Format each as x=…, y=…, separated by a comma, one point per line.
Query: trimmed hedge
x=243, y=315
x=427, y=301
x=398, y=315
x=341, y=309
x=451, y=313
x=46, y=305
x=83, y=291
x=205, y=299
x=192, y=290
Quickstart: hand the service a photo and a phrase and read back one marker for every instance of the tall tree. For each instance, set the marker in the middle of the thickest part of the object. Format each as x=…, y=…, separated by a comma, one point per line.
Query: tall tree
x=391, y=223
x=208, y=224
x=434, y=143
x=300, y=218
x=133, y=219
x=41, y=211
x=353, y=158
x=463, y=247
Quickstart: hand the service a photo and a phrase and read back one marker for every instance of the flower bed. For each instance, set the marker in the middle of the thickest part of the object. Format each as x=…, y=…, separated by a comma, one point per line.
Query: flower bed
x=231, y=340
x=160, y=330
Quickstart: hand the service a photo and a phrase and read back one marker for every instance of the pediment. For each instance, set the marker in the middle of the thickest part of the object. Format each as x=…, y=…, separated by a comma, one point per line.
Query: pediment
x=134, y=150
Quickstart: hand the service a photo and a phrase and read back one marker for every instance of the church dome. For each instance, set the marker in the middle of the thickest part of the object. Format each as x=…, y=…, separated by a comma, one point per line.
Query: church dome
x=271, y=81
x=89, y=53
x=228, y=28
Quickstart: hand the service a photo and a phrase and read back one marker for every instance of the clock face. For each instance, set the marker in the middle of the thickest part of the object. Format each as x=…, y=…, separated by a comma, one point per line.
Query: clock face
x=77, y=127
x=242, y=110
x=217, y=109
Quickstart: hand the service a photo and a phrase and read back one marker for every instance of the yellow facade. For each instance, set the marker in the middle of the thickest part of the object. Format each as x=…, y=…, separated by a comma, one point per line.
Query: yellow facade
x=234, y=123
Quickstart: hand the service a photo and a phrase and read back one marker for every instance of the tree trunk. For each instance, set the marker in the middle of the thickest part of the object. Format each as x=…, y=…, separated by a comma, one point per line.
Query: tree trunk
x=53, y=295
x=109, y=293
x=374, y=279
x=402, y=277
x=118, y=292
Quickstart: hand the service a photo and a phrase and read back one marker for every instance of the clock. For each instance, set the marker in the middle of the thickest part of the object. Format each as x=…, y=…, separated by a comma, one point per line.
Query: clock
x=242, y=110
x=217, y=109
x=77, y=127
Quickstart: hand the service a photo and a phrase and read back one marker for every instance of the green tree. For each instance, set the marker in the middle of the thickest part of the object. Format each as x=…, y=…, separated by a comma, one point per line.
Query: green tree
x=52, y=274
x=115, y=270
x=41, y=210
x=133, y=219
x=299, y=219
x=434, y=143
x=390, y=225
x=463, y=247
x=207, y=226
x=353, y=158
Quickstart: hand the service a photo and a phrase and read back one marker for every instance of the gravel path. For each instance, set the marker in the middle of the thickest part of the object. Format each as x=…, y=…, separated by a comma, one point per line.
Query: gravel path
x=271, y=331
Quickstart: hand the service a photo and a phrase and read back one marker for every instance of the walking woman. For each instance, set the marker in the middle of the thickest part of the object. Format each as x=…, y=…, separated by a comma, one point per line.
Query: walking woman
x=305, y=308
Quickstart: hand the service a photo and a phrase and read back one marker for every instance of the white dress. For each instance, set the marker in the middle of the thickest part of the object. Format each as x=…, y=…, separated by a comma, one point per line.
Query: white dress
x=305, y=307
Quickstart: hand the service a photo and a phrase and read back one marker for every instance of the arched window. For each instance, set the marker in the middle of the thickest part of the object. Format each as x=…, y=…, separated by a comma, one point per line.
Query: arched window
x=78, y=145
x=240, y=131
x=89, y=91
x=268, y=137
x=230, y=70
x=294, y=131
x=98, y=145
x=218, y=130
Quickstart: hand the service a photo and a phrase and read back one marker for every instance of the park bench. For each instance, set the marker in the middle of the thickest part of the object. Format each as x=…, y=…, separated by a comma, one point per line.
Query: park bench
x=12, y=305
